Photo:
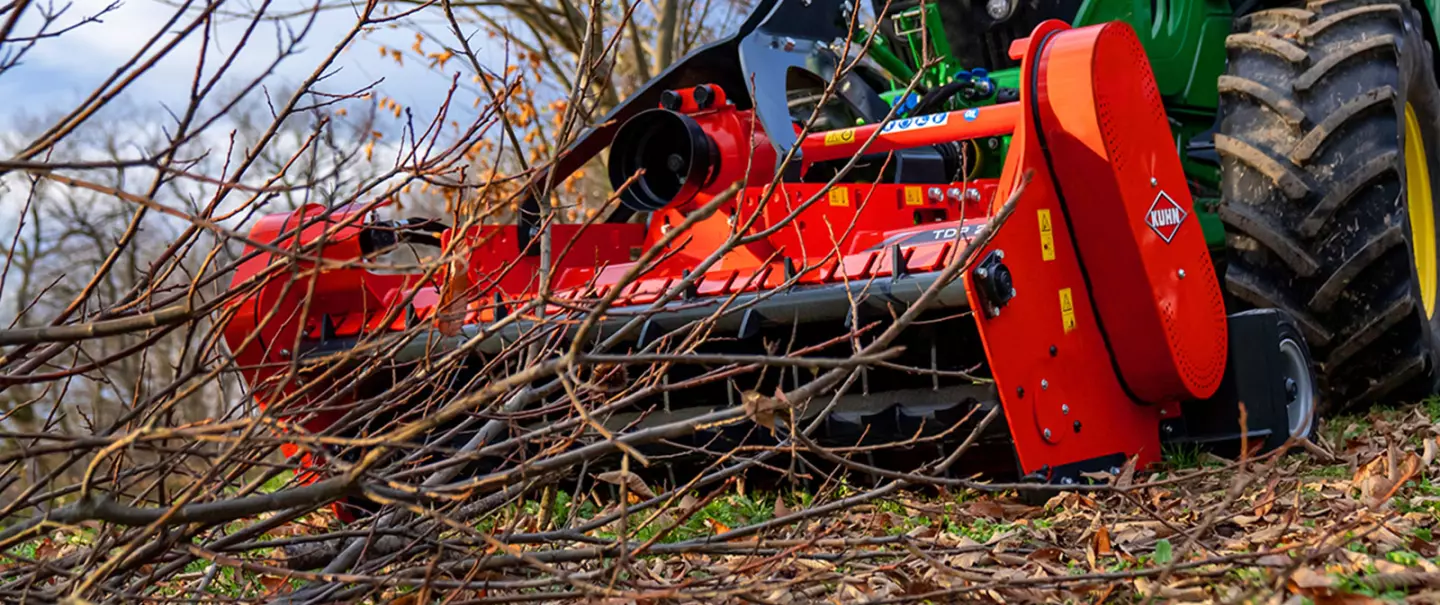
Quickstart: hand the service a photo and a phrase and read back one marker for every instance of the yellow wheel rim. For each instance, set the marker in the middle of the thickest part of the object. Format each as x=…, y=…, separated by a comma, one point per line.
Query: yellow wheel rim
x=1421, y=205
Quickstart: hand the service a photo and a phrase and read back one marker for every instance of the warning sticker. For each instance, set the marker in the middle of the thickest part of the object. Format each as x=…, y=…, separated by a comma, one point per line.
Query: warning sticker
x=914, y=196
x=839, y=137
x=1067, y=310
x=840, y=196
x=1047, y=236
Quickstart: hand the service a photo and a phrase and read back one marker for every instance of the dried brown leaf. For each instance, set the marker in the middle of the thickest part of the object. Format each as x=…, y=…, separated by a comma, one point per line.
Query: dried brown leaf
x=630, y=480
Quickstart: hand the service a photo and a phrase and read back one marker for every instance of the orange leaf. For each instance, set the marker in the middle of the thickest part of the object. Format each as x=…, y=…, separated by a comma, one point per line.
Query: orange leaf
x=1102, y=542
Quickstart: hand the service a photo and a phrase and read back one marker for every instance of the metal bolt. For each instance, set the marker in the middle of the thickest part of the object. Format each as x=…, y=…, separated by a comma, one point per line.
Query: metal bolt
x=982, y=272
x=1068, y=481
x=1020, y=392
x=1164, y=413
x=935, y=194
x=1154, y=182
x=1012, y=292
x=995, y=311
x=790, y=45
x=1077, y=426
x=285, y=353
x=1114, y=470
x=972, y=195
x=1181, y=273
x=1044, y=384
x=1169, y=430
x=1053, y=351
x=1047, y=433
x=997, y=9
x=1292, y=390
x=1065, y=409
x=994, y=143
x=953, y=193
x=1000, y=254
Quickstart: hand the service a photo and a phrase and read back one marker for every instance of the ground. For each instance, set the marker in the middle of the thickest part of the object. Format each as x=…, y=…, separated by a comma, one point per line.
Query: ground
x=1349, y=520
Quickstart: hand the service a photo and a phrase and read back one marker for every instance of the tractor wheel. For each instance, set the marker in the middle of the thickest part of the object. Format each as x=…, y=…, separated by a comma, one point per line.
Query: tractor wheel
x=1329, y=115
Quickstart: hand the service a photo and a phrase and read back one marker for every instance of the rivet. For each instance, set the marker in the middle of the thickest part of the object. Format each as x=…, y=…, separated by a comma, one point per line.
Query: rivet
x=1077, y=426
x=1044, y=384
x=1054, y=351
x=1047, y=433
x=972, y=195
x=935, y=194
x=1065, y=409
x=1182, y=274
x=1153, y=182
x=1019, y=391
x=285, y=353
x=1068, y=481
x=954, y=194
x=1000, y=254
x=982, y=272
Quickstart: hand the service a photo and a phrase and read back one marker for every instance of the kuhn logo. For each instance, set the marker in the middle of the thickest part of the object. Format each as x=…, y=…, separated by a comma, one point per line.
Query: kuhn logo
x=1165, y=217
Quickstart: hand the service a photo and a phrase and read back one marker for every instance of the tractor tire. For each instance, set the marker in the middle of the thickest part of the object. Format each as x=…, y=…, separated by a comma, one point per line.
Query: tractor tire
x=1328, y=117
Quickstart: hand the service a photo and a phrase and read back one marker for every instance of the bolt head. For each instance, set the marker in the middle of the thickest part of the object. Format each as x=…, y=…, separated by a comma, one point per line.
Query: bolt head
x=1181, y=273
x=997, y=9
x=1044, y=384
x=1000, y=254
x=1068, y=481
x=1154, y=182
x=982, y=272
x=789, y=44
x=936, y=194
x=285, y=353
x=972, y=194
x=953, y=193
x=1012, y=292
x=1054, y=351
x=1169, y=430
x=1065, y=409
x=1047, y=433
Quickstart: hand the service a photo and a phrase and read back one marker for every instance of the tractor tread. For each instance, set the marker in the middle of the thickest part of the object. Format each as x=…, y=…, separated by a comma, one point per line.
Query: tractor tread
x=1309, y=32
x=1330, y=291
x=1348, y=189
x=1370, y=331
x=1271, y=98
x=1256, y=226
x=1279, y=47
x=1315, y=215
x=1247, y=287
x=1406, y=372
x=1321, y=68
x=1308, y=146
x=1290, y=19
x=1289, y=180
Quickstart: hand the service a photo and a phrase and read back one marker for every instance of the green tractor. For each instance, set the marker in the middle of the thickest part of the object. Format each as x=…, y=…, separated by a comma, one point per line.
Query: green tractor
x=1307, y=132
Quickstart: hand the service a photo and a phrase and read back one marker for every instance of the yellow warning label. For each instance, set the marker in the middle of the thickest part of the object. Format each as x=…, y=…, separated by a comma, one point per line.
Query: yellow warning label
x=1047, y=236
x=1067, y=310
x=914, y=196
x=840, y=196
x=839, y=137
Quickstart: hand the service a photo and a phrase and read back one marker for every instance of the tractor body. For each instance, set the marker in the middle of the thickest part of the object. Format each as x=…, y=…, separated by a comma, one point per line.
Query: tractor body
x=1052, y=236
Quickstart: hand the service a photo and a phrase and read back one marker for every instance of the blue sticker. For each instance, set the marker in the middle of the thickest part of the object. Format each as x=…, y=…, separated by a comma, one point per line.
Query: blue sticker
x=925, y=121
x=971, y=114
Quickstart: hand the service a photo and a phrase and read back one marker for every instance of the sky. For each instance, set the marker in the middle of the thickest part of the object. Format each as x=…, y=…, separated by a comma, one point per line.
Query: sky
x=59, y=72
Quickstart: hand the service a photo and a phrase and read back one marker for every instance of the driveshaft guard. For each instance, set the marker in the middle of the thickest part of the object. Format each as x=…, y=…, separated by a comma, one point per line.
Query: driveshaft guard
x=1125, y=198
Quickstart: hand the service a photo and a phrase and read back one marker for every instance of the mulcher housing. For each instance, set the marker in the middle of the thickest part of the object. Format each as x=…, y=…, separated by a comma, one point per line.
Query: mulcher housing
x=1092, y=313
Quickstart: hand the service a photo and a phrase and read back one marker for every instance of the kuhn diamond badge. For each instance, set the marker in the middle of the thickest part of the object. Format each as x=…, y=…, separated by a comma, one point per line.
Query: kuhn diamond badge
x=1165, y=217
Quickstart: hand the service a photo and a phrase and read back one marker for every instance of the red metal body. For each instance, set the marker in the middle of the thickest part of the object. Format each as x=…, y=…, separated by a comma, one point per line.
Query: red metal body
x=1103, y=337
